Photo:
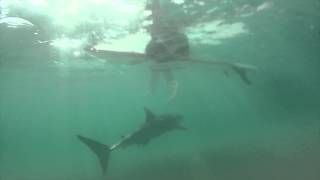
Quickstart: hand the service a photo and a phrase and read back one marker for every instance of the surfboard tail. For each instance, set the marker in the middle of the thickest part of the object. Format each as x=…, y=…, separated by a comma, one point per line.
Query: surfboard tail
x=101, y=150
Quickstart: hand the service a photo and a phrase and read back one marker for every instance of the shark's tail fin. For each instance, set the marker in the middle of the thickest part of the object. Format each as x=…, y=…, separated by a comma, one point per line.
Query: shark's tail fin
x=101, y=150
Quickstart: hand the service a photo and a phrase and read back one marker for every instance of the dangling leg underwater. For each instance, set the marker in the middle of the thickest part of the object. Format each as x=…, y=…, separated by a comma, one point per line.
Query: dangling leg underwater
x=167, y=75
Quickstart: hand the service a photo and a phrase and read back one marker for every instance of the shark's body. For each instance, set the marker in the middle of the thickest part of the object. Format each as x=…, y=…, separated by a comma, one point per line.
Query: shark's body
x=153, y=127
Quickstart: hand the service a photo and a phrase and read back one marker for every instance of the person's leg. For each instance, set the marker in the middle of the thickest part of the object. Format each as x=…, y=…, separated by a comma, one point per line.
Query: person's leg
x=171, y=83
x=154, y=80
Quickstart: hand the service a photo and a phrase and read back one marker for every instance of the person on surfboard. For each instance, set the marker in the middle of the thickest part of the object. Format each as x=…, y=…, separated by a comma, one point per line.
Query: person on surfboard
x=168, y=44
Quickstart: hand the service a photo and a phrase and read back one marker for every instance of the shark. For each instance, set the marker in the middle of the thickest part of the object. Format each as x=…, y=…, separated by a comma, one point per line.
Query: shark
x=153, y=127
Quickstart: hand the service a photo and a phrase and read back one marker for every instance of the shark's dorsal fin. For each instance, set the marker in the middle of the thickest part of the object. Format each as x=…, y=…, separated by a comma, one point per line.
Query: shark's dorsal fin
x=150, y=116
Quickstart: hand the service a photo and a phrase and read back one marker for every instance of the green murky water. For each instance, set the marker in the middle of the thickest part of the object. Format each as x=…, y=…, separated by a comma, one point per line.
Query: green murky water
x=52, y=91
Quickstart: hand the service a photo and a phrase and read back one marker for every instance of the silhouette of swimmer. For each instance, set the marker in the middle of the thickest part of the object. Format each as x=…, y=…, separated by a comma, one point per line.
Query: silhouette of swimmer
x=168, y=44
x=163, y=49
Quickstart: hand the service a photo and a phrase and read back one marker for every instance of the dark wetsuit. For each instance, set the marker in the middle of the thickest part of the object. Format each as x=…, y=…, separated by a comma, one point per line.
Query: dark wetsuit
x=172, y=48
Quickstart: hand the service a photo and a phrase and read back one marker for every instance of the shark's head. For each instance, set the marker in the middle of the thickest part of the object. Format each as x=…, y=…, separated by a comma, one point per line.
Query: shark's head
x=178, y=119
x=165, y=121
x=172, y=120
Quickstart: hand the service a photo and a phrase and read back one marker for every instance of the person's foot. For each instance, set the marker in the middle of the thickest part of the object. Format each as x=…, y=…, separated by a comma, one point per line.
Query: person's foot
x=173, y=89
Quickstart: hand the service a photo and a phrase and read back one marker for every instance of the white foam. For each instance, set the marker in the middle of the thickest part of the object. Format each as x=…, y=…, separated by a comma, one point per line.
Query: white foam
x=215, y=32
x=178, y=1
x=130, y=43
x=263, y=6
x=67, y=44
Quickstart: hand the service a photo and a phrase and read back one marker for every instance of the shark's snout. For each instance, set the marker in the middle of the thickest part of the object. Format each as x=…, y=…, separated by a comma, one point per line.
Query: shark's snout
x=179, y=117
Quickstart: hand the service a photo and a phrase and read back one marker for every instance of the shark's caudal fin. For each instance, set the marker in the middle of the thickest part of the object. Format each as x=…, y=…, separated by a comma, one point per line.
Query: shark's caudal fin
x=101, y=150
